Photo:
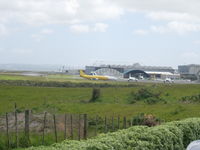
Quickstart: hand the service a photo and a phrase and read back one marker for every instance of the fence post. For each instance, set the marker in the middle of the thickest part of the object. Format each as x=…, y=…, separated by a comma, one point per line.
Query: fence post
x=27, y=124
x=106, y=129
x=131, y=122
x=44, y=125
x=85, y=127
x=124, y=125
x=71, y=126
x=96, y=120
x=118, y=122
x=65, y=132
x=55, y=130
x=16, y=127
x=79, y=127
x=7, y=131
x=112, y=123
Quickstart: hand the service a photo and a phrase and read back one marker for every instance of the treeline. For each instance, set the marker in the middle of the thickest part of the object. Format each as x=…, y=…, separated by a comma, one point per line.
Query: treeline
x=62, y=84
x=174, y=136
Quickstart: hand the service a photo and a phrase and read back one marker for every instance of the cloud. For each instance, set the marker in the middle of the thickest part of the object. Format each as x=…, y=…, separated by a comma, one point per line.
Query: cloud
x=141, y=32
x=196, y=42
x=100, y=27
x=57, y=12
x=37, y=37
x=3, y=30
x=81, y=28
x=42, y=34
x=176, y=27
x=173, y=16
x=77, y=13
x=47, y=31
x=177, y=16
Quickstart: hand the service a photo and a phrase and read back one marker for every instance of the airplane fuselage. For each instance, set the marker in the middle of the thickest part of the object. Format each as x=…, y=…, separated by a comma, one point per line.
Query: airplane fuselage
x=95, y=77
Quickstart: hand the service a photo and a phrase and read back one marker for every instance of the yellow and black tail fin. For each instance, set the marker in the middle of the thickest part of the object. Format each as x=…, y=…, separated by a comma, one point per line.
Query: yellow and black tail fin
x=82, y=73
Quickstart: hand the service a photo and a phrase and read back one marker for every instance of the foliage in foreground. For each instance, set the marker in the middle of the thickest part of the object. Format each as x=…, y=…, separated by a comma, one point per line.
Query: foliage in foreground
x=174, y=136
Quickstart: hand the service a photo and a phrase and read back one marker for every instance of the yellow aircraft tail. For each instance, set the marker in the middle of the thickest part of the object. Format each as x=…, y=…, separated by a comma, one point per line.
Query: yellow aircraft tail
x=82, y=73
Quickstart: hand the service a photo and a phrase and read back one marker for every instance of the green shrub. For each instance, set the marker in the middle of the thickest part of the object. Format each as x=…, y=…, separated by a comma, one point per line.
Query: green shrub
x=170, y=136
x=191, y=99
x=146, y=95
x=153, y=100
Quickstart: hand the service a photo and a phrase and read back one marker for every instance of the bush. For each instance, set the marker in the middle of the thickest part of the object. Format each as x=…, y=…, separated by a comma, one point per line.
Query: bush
x=96, y=93
x=146, y=95
x=170, y=136
x=191, y=99
x=153, y=100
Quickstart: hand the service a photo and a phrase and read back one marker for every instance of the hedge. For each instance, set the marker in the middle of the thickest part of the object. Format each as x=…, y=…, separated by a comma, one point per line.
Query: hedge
x=169, y=136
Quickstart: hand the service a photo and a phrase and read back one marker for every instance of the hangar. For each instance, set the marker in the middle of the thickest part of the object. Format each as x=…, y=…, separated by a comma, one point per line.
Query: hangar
x=150, y=74
x=191, y=71
x=136, y=73
x=135, y=70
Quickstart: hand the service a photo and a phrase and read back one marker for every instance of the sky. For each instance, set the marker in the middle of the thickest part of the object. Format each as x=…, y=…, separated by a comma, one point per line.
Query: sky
x=84, y=32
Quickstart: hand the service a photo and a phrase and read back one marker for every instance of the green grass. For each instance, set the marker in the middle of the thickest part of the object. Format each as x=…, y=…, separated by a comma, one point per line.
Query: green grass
x=112, y=101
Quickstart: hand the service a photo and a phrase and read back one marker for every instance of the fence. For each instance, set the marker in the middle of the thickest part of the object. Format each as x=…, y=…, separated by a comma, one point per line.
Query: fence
x=23, y=129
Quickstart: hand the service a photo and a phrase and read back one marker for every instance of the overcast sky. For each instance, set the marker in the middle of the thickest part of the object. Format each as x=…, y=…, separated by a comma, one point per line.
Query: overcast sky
x=80, y=32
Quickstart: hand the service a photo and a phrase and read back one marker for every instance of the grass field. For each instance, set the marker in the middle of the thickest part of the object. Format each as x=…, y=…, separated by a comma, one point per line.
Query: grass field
x=112, y=101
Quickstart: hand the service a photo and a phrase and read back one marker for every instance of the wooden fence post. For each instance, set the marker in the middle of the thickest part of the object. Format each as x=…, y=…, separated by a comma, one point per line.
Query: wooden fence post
x=124, y=125
x=55, y=130
x=44, y=125
x=71, y=126
x=112, y=123
x=65, y=132
x=27, y=124
x=118, y=122
x=7, y=131
x=85, y=127
x=106, y=128
x=131, y=122
x=16, y=127
x=96, y=125
x=79, y=127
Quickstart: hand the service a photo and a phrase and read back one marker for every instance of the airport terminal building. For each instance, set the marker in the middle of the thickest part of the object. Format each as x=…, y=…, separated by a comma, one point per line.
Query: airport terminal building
x=133, y=70
x=189, y=71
